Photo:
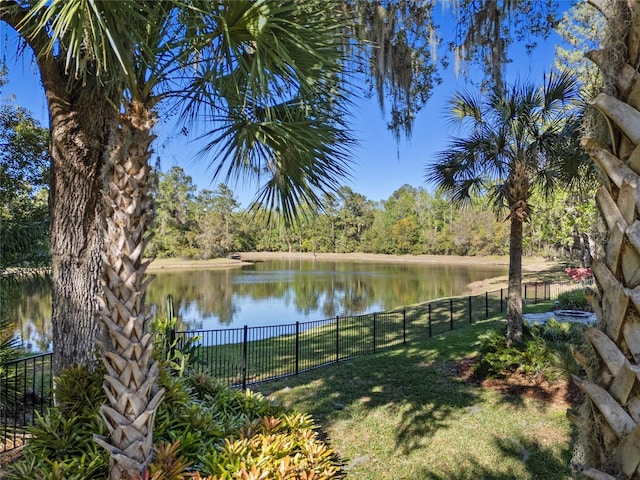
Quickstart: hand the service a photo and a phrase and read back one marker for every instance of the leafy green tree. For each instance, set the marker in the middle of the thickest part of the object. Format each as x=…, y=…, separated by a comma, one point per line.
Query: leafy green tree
x=564, y=225
x=24, y=240
x=353, y=218
x=405, y=235
x=403, y=212
x=507, y=150
x=327, y=225
x=24, y=171
x=215, y=220
x=174, y=199
x=582, y=28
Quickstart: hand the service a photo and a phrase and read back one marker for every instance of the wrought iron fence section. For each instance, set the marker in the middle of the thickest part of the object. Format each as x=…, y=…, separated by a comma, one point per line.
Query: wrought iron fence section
x=26, y=387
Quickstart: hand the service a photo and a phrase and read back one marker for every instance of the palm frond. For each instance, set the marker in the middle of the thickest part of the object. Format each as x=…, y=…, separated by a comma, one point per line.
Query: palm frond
x=271, y=93
x=89, y=34
x=560, y=88
x=518, y=128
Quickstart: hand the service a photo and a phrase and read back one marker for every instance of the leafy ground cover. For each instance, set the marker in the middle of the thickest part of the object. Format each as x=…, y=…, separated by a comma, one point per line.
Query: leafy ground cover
x=417, y=412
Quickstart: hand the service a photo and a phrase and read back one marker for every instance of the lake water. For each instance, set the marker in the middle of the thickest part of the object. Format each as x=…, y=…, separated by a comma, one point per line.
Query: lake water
x=275, y=292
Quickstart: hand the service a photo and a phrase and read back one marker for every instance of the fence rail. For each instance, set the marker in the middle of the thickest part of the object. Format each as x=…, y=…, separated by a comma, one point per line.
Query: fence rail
x=248, y=355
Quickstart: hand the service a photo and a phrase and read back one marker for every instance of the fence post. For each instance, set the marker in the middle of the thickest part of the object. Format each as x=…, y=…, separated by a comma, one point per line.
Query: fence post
x=244, y=357
x=430, y=321
x=404, y=325
x=337, y=338
x=535, y=295
x=525, y=293
x=470, y=313
x=171, y=326
x=374, y=333
x=501, y=301
x=297, y=348
x=486, y=304
x=451, y=311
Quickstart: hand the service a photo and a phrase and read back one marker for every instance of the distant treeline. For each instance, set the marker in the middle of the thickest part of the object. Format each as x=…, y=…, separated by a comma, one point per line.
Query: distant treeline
x=208, y=224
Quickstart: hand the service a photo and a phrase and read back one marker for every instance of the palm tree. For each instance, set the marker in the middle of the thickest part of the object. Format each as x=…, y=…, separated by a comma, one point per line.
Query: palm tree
x=513, y=135
x=265, y=75
x=608, y=423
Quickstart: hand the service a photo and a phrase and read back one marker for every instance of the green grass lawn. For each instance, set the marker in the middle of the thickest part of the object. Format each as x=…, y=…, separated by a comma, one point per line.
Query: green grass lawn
x=403, y=414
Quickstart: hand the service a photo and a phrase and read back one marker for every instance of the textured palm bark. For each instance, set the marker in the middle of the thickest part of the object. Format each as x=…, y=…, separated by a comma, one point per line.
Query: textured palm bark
x=608, y=447
x=519, y=192
x=132, y=372
x=514, y=301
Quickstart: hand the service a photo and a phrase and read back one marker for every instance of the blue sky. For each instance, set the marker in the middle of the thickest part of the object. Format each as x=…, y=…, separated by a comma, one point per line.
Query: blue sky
x=380, y=165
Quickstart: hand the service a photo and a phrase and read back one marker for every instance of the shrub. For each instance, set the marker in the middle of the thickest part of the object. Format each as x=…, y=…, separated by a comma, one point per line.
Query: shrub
x=574, y=300
x=545, y=350
x=201, y=426
x=12, y=384
x=62, y=443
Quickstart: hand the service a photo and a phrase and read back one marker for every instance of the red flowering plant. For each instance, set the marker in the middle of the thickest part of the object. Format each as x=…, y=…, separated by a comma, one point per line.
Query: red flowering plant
x=579, y=274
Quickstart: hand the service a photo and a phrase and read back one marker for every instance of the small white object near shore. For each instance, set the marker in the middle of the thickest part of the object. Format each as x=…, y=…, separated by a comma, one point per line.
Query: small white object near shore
x=576, y=316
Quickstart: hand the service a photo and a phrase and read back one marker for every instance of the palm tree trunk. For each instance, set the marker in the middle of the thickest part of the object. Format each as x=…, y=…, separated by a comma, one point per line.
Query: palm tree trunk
x=132, y=372
x=518, y=187
x=609, y=422
x=514, y=301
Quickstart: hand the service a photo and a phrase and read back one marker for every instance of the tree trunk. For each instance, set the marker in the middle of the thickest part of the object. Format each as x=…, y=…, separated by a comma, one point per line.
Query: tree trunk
x=514, y=302
x=517, y=187
x=79, y=125
x=132, y=372
x=608, y=446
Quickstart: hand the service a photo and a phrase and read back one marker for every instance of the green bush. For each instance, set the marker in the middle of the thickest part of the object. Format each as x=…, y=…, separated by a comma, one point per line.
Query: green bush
x=62, y=445
x=201, y=426
x=545, y=350
x=574, y=300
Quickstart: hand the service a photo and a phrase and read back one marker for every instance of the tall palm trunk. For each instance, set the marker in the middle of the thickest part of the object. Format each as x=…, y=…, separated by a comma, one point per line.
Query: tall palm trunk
x=131, y=380
x=609, y=424
x=514, y=302
x=517, y=186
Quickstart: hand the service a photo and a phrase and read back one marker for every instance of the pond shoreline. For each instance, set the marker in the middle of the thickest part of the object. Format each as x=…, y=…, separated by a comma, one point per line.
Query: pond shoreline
x=535, y=269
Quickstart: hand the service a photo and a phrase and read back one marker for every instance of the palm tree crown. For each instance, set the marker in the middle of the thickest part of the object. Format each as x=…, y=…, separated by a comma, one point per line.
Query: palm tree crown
x=518, y=132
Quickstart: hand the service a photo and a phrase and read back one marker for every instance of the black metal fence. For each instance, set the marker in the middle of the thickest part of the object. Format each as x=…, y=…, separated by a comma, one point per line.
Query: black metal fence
x=26, y=387
x=244, y=356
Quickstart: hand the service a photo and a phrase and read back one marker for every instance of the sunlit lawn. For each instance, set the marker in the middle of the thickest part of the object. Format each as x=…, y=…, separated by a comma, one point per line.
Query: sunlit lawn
x=403, y=414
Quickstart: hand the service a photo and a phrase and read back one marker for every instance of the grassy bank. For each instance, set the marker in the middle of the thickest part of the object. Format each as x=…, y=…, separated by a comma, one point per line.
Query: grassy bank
x=281, y=350
x=406, y=414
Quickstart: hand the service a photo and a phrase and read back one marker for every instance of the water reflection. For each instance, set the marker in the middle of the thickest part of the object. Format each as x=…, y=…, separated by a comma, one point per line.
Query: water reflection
x=30, y=309
x=273, y=292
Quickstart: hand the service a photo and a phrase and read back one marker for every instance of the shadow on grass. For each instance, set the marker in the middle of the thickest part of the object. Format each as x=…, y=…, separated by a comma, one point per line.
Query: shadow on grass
x=539, y=462
x=404, y=380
